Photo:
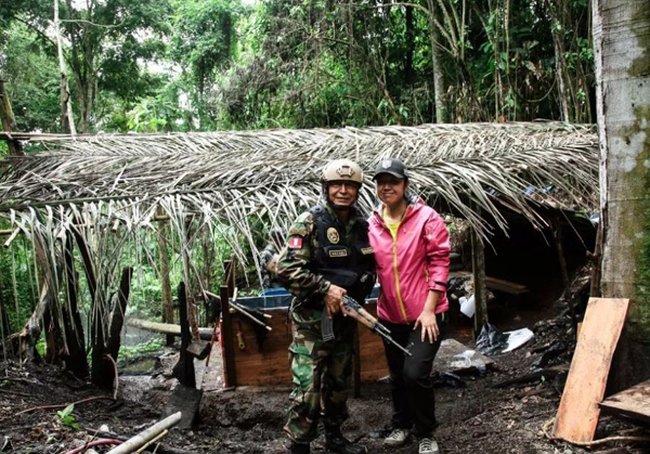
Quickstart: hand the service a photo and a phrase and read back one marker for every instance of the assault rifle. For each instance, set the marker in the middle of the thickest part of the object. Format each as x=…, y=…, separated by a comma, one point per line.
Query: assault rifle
x=357, y=312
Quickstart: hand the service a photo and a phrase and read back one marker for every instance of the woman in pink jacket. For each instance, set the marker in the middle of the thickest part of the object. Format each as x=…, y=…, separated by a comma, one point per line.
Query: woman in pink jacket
x=411, y=246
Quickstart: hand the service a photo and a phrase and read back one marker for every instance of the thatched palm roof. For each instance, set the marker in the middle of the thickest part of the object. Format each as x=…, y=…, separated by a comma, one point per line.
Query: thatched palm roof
x=277, y=167
x=229, y=178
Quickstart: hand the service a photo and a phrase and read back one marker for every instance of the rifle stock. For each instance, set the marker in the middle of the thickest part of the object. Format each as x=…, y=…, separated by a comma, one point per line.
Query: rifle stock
x=356, y=311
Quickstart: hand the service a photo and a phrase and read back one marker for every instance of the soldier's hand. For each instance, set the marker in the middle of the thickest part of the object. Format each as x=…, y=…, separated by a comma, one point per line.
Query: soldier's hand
x=334, y=299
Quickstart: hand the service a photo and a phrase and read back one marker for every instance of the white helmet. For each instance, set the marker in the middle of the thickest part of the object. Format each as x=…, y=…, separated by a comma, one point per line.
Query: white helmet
x=343, y=170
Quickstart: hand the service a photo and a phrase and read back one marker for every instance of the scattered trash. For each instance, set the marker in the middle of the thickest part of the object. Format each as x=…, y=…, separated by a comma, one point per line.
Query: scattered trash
x=555, y=350
x=468, y=360
x=491, y=340
x=447, y=380
x=467, y=306
x=517, y=338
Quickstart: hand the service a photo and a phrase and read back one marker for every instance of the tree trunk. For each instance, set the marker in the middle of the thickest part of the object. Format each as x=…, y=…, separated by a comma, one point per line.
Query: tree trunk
x=103, y=371
x=559, y=62
x=67, y=118
x=8, y=121
x=410, y=46
x=438, y=71
x=75, y=358
x=622, y=56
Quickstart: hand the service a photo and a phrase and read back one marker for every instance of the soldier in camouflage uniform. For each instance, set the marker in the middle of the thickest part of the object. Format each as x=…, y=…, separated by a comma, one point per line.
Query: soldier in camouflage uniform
x=328, y=255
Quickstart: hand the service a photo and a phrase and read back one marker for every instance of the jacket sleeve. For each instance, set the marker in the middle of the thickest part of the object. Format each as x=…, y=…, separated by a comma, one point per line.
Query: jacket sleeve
x=292, y=268
x=436, y=239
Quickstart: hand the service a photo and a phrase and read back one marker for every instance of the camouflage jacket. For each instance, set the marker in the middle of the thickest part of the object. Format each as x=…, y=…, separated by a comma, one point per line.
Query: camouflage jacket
x=293, y=265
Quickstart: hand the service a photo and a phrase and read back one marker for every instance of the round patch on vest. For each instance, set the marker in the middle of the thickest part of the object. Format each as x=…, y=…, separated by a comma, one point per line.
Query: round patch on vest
x=333, y=235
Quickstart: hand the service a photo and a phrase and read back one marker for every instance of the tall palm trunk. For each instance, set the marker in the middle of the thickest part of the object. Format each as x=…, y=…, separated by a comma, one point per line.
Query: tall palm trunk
x=622, y=54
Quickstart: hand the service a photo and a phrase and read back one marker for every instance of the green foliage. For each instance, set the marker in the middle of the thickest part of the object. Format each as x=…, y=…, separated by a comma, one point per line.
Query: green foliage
x=177, y=65
x=31, y=80
x=128, y=353
x=66, y=417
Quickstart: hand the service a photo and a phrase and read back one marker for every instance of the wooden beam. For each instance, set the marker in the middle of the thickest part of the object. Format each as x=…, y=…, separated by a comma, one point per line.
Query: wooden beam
x=165, y=328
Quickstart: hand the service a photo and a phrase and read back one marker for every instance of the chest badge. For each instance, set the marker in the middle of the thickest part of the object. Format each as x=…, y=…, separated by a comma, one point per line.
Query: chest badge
x=333, y=235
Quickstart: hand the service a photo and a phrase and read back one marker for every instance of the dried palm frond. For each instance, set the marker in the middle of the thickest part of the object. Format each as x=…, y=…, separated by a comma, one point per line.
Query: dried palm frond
x=230, y=177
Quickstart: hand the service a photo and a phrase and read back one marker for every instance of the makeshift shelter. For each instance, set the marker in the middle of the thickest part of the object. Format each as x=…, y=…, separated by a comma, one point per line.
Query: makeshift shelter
x=98, y=191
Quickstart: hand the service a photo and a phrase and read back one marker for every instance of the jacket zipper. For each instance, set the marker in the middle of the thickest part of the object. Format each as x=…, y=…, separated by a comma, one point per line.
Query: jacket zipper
x=395, y=272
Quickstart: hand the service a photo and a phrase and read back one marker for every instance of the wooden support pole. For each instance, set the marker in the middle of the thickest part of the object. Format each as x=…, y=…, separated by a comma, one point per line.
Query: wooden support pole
x=227, y=344
x=167, y=308
x=8, y=122
x=559, y=245
x=184, y=369
x=480, y=290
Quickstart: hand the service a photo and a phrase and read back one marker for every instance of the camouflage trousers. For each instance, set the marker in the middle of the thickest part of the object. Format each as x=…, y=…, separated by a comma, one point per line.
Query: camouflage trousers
x=322, y=373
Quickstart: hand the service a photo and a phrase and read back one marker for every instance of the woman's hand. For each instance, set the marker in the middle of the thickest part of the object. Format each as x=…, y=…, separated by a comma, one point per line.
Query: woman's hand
x=427, y=320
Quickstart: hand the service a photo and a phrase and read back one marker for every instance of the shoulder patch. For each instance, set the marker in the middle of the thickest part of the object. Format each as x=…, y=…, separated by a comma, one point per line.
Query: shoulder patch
x=302, y=225
x=298, y=229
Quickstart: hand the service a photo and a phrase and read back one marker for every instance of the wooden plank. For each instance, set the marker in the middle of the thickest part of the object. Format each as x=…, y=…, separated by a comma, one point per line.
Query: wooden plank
x=633, y=403
x=578, y=413
x=493, y=283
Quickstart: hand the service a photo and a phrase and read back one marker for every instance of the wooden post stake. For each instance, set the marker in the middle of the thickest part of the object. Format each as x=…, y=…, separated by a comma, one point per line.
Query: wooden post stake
x=480, y=290
x=227, y=344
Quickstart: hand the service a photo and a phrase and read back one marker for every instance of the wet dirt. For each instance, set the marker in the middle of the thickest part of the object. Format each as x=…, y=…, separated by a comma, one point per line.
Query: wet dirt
x=478, y=418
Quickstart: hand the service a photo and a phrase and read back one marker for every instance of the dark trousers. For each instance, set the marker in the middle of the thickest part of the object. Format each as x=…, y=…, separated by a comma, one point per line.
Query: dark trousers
x=411, y=385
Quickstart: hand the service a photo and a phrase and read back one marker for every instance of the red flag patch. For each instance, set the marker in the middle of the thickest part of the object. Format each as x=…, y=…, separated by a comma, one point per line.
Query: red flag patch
x=295, y=242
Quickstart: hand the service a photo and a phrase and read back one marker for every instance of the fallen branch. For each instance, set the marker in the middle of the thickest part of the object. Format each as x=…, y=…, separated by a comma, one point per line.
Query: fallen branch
x=99, y=442
x=590, y=444
x=166, y=328
x=152, y=441
x=116, y=382
x=147, y=435
x=55, y=406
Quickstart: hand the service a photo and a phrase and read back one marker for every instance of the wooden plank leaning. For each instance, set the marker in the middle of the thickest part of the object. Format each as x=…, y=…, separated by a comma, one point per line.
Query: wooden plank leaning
x=578, y=413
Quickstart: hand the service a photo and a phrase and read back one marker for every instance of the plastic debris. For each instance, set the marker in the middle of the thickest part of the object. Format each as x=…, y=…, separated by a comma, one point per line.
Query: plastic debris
x=491, y=340
x=517, y=338
x=466, y=360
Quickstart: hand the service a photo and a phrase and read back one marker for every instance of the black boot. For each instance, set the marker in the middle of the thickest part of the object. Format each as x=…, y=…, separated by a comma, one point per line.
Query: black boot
x=336, y=442
x=299, y=448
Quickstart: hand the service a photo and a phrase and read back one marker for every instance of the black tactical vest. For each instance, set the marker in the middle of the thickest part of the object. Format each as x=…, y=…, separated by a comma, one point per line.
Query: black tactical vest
x=347, y=263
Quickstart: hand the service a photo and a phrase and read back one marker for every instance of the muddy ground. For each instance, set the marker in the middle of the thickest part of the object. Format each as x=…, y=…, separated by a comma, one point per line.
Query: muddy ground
x=477, y=418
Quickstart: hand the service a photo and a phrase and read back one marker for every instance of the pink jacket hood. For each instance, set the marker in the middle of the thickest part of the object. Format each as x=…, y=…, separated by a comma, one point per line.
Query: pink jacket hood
x=420, y=258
